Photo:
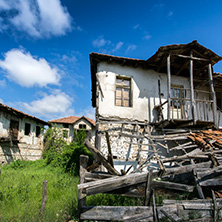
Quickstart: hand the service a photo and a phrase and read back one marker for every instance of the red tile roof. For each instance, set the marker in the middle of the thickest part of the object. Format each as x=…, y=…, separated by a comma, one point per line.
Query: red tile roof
x=72, y=120
x=20, y=113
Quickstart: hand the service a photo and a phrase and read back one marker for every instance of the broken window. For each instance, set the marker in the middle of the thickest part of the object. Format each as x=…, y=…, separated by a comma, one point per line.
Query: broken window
x=82, y=126
x=123, y=91
x=177, y=96
x=14, y=129
x=27, y=129
x=37, y=131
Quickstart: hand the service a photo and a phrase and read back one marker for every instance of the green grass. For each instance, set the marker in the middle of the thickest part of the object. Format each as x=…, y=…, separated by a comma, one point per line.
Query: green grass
x=21, y=192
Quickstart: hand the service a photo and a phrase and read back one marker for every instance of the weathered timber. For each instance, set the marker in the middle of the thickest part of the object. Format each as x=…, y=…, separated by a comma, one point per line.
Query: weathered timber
x=110, y=155
x=168, y=215
x=212, y=182
x=94, y=166
x=115, y=183
x=193, y=104
x=138, y=217
x=81, y=196
x=208, y=173
x=44, y=199
x=155, y=213
x=199, y=189
x=148, y=188
x=111, y=213
x=168, y=87
x=99, y=156
x=215, y=215
x=171, y=185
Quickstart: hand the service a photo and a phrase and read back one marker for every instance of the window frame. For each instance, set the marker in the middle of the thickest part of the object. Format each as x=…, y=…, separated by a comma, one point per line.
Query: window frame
x=82, y=128
x=122, y=86
x=29, y=129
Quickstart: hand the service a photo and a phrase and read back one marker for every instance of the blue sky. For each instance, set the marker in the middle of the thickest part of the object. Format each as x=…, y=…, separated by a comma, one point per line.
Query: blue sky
x=45, y=45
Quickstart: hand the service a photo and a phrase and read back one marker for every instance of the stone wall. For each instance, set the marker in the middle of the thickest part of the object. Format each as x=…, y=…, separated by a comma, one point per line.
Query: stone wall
x=13, y=151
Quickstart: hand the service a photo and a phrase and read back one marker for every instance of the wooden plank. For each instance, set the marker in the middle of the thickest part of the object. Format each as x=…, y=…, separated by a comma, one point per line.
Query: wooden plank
x=215, y=215
x=148, y=188
x=110, y=156
x=99, y=156
x=168, y=87
x=111, y=213
x=171, y=185
x=213, y=94
x=192, y=90
x=81, y=196
x=212, y=182
x=199, y=189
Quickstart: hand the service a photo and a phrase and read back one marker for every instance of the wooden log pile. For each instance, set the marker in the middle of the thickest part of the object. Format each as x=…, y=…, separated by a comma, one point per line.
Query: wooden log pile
x=201, y=161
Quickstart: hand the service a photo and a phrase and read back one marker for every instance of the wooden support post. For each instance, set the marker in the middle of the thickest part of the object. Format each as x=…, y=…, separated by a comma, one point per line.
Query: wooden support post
x=213, y=94
x=44, y=199
x=193, y=105
x=110, y=155
x=168, y=87
x=148, y=187
x=99, y=156
x=199, y=189
x=155, y=215
x=215, y=209
x=82, y=171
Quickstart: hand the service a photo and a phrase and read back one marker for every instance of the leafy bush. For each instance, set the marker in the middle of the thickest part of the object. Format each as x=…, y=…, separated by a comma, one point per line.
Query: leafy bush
x=61, y=154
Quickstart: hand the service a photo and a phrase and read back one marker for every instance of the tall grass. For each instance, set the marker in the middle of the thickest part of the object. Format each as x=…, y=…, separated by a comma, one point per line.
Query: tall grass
x=21, y=192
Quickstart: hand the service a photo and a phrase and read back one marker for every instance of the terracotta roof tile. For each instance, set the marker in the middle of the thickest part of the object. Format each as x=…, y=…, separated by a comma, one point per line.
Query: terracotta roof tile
x=71, y=120
x=18, y=112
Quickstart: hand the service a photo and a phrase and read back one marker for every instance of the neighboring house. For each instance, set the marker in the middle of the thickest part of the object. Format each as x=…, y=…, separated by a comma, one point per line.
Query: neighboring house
x=175, y=88
x=71, y=123
x=21, y=135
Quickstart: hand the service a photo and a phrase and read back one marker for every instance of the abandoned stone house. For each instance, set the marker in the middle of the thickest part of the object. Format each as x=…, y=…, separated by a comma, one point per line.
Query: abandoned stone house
x=21, y=135
x=71, y=123
x=175, y=89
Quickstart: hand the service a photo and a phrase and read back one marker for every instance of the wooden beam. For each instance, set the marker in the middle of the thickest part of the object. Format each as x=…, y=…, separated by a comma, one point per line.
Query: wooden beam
x=110, y=155
x=168, y=87
x=213, y=94
x=81, y=196
x=99, y=156
x=191, y=57
x=148, y=188
x=192, y=90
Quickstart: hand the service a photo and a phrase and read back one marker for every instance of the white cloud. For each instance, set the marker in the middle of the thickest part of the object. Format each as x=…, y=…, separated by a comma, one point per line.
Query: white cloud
x=137, y=27
x=88, y=112
x=37, y=18
x=170, y=13
x=117, y=47
x=58, y=104
x=2, y=83
x=131, y=48
x=100, y=42
x=106, y=46
x=1, y=100
x=147, y=37
x=22, y=68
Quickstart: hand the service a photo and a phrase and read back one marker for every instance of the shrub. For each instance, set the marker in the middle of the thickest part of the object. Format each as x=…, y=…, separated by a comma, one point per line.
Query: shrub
x=59, y=153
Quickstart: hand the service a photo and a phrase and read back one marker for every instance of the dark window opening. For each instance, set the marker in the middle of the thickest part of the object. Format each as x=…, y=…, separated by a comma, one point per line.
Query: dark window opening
x=27, y=129
x=37, y=131
x=82, y=126
x=65, y=125
x=14, y=129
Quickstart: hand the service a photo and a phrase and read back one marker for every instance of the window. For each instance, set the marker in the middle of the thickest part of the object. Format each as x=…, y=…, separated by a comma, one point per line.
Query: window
x=27, y=129
x=82, y=126
x=123, y=91
x=65, y=125
x=37, y=131
x=219, y=100
x=177, y=95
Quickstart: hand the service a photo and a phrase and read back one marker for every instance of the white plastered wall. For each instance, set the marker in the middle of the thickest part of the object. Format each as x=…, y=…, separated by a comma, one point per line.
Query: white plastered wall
x=144, y=91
